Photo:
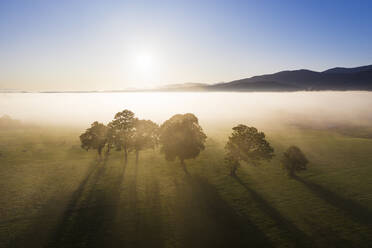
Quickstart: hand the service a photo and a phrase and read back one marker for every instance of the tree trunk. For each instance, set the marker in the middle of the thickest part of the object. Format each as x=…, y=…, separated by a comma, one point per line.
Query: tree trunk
x=99, y=150
x=137, y=156
x=183, y=165
x=233, y=170
x=125, y=155
x=108, y=149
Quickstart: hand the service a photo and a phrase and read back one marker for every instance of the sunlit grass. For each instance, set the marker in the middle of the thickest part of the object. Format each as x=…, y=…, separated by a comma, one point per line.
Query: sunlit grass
x=157, y=204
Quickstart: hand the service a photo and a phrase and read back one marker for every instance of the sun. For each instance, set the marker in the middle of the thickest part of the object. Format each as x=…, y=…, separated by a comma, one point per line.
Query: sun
x=146, y=67
x=144, y=62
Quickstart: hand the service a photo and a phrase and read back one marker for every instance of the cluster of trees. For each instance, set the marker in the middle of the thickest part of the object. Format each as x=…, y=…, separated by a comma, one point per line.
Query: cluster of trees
x=124, y=133
x=249, y=145
x=181, y=137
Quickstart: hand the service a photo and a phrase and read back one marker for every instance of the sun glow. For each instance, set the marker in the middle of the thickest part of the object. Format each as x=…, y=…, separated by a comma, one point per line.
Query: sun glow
x=144, y=62
x=146, y=68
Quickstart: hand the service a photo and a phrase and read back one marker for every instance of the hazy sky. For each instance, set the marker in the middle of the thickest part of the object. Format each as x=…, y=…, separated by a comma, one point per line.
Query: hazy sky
x=101, y=45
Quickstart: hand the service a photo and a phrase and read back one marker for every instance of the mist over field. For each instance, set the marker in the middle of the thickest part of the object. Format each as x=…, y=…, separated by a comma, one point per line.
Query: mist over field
x=185, y=124
x=213, y=109
x=57, y=191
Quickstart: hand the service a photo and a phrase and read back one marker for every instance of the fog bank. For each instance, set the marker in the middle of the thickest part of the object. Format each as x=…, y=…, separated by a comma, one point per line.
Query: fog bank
x=80, y=109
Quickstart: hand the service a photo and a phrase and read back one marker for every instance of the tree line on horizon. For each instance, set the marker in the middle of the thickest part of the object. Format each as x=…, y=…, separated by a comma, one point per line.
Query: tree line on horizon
x=181, y=137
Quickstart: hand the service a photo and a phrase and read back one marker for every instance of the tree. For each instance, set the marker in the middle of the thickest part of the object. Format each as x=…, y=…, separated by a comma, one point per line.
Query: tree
x=94, y=137
x=294, y=160
x=111, y=137
x=182, y=137
x=146, y=136
x=121, y=135
x=248, y=145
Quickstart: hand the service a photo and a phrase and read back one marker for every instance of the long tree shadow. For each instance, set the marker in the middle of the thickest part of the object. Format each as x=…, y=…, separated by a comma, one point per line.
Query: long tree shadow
x=107, y=208
x=207, y=220
x=291, y=231
x=84, y=221
x=125, y=233
x=140, y=224
x=152, y=229
x=53, y=207
x=355, y=210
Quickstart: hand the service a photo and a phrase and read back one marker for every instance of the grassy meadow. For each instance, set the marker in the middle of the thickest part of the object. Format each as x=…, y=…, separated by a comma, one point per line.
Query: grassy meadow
x=55, y=194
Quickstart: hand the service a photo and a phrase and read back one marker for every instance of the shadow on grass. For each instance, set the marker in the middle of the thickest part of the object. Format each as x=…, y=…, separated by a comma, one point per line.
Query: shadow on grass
x=205, y=219
x=84, y=221
x=355, y=210
x=152, y=228
x=140, y=222
x=40, y=226
x=290, y=230
x=328, y=237
x=126, y=229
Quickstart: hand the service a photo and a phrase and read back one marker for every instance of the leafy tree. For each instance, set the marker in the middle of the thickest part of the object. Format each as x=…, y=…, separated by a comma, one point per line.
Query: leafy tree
x=294, y=160
x=111, y=137
x=123, y=128
x=146, y=136
x=248, y=145
x=94, y=137
x=182, y=137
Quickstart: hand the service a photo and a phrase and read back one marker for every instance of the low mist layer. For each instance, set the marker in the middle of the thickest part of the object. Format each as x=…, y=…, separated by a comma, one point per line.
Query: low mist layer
x=300, y=108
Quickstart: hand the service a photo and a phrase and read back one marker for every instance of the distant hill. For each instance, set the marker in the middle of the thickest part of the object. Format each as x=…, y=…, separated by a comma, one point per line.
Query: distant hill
x=349, y=70
x=358, y=78
x=184, y=87
x=337, y=79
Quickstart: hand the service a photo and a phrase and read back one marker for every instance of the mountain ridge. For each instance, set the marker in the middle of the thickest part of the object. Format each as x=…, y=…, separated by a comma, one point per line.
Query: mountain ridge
x=333, y=79
x=338, y=78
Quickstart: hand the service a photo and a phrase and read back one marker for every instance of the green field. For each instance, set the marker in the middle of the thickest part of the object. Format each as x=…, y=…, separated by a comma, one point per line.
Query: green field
x=55, y=194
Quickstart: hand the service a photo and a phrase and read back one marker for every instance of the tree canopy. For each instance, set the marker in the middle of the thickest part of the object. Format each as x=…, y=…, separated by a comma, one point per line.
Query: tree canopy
x=182, y=137
x=123, y=128
x=94, y=137
x=146, y=136
x=294, y=160
x=247, y=144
